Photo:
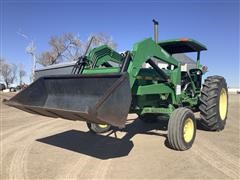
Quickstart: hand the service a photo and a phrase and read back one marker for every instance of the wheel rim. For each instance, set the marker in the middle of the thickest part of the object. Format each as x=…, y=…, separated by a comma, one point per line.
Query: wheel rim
x=223, y=104
x=103, y=125
x=188, y=130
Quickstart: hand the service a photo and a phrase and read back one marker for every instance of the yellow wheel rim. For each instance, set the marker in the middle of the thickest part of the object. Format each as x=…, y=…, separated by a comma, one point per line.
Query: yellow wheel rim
x=223, y=104
x=103, y=125
x=188, y=130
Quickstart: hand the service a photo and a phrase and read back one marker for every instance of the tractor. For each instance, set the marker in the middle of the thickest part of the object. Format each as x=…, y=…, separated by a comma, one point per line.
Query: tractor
x=155, y=80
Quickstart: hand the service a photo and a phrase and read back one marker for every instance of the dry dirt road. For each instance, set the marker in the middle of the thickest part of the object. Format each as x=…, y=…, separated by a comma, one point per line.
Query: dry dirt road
x=35, y=147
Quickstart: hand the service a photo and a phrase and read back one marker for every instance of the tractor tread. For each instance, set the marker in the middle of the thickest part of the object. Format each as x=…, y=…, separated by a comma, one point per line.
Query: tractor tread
x=203, y=101
x=209, y=103
x=211, y=106
x=206, y=85
x=203, y=110
x=175, y=129
x=204, y=92
x=211, y=116
x=212, y=97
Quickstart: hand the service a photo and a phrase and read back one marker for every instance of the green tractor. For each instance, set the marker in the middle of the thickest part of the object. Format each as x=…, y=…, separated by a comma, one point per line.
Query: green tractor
x=154, y=80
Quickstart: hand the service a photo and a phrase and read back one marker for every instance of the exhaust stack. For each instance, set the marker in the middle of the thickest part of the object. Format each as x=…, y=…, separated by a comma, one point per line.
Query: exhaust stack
x=155, y=23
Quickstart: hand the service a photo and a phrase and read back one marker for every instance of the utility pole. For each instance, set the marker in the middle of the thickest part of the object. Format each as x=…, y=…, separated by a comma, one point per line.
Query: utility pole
x=30, y=49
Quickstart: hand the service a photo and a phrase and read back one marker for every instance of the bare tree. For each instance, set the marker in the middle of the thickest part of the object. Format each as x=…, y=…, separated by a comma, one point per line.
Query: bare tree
x=69, y=47
x=63, y=48
x=74, y=47
x=103, y=39
x=2, y=61
x=8, y=72
x=21, y=74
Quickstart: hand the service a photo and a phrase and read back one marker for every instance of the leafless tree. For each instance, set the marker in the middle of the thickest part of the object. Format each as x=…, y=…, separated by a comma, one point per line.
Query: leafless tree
x=21, y=74
x=69, y=47
x=63, y=48
x=2, y=61
x=8, y=72
x=102, y=39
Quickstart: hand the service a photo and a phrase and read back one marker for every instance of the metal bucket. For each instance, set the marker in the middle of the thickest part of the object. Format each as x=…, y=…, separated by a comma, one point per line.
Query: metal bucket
x=103, y=99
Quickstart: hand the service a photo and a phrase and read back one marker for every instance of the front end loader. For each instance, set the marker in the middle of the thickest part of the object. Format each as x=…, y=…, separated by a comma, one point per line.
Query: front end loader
x=153, y=80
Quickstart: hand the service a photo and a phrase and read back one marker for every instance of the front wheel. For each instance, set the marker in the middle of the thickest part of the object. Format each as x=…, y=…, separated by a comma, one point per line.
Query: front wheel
x=181, y=129
x=98, y=128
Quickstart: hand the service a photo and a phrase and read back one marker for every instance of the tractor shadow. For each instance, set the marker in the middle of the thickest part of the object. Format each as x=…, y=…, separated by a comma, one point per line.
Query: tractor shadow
x=99, y=146
x=105, y=146
x=108, y=146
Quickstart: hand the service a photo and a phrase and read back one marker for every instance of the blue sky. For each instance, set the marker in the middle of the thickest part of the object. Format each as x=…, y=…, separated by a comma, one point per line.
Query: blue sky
x=213, y=23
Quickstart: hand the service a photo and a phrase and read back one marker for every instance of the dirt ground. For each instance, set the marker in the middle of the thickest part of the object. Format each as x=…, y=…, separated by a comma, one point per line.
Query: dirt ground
x=36, y=147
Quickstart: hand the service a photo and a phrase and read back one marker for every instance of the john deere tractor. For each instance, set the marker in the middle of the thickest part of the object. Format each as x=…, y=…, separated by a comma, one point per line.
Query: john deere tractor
x=155, y=79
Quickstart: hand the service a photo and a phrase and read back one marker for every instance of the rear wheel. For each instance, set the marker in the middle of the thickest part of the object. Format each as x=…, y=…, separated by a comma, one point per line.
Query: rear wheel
x=214, y=103
x=12, y=89
x=181, y=129
x=98, y=128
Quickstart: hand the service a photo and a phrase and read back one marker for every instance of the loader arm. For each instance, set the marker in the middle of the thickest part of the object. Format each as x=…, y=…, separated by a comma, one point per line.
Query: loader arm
x=102, y=54
x=144, y=52
x=147, y=49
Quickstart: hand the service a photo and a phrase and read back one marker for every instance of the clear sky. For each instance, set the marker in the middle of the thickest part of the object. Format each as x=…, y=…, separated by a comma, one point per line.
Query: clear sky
x=213, y=23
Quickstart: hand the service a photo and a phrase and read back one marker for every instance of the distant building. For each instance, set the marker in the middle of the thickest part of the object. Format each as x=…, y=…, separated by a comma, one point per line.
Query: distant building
x=234, y=90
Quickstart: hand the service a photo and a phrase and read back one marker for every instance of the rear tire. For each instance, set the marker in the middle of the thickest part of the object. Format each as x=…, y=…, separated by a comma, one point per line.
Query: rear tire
x=98, y=128
x=12, y=89
x=181, y=129
x=214, y=103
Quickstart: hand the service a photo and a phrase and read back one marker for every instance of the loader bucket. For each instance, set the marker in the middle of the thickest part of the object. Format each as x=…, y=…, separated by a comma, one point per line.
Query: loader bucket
x=103, y=99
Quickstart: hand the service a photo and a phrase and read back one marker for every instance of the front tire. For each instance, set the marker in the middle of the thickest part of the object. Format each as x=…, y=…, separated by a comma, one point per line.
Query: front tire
x=98, y=128
x=181, y=129
x=214, y=103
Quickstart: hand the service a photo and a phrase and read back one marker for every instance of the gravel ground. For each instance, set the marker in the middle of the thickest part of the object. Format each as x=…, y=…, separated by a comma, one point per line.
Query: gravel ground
x=36, y=147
